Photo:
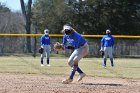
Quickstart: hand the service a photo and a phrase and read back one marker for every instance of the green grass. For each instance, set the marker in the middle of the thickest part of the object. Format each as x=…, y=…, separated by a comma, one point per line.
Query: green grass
x=124, y=68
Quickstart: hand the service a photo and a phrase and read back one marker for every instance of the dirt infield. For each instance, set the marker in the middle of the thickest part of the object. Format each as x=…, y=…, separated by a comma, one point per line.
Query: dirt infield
x=22, y=83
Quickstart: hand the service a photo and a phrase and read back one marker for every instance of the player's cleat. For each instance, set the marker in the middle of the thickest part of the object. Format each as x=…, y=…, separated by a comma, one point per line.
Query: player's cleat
x=81, y=76
x=48, y=65
x=104, y=65
x=112, y=65
x=42, y=65
x=67, y=81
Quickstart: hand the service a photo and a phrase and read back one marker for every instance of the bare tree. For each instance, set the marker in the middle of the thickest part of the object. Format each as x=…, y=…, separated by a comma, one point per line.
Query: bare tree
x=27, y=15
x=11, y=23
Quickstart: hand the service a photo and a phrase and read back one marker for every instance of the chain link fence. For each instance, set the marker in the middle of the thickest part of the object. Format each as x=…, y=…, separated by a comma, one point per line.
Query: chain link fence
x=122, y=47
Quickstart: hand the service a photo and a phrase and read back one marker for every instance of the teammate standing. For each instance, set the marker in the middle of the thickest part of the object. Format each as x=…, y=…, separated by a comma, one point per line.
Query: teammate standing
x=81, y=49
x=45, y=44
x=107, y=43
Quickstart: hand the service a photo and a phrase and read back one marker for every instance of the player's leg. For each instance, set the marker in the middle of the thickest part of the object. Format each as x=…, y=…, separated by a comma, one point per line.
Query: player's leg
x=74, y=68
x=77, y=68
x=42, y=57
x=83, y=51
x=71, y=64
x=48, y=48
x=73, y=61
x=79, y=54
x=111, y=56
x=105, y=55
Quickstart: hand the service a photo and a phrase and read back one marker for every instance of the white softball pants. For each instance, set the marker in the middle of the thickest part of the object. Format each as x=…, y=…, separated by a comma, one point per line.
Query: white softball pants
x=46, y=52
x=108, y=51
x=78, y=54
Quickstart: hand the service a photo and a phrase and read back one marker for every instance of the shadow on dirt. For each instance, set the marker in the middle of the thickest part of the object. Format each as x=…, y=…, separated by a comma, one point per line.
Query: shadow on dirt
x=102, y=84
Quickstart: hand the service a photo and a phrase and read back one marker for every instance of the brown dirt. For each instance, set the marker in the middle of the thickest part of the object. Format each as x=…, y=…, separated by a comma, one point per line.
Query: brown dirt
x=22, y=83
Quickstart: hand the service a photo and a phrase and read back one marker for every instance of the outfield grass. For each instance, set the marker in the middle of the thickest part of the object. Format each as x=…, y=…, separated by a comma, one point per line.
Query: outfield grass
x=124, y=68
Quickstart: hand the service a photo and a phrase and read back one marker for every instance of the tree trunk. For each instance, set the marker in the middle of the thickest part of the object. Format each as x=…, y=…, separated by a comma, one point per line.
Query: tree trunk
x=35, y=40
x=27, y=16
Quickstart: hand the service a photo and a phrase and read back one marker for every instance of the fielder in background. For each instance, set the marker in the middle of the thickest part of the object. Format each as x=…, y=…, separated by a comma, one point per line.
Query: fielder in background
x=73, y=40
x=45, y=44
x=107, y=43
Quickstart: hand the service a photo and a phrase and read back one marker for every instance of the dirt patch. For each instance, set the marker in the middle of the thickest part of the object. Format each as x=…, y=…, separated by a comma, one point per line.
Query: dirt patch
x=22, y=83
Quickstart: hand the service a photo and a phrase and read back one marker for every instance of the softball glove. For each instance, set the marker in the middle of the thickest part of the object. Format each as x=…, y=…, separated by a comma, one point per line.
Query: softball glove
x=58, y=47
x=41, y=50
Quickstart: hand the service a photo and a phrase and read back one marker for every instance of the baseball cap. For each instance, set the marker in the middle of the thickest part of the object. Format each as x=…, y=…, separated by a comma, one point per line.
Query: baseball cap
x=46, y=31
x=67, y=27
x=108, y=31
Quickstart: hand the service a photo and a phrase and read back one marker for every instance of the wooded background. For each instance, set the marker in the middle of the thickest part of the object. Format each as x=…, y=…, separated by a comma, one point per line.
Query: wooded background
x=91, y=17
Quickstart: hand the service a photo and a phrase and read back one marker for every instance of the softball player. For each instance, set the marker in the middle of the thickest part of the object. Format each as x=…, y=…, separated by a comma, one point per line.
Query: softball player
x=107, y=43
x=81, y=49
x=45, y=44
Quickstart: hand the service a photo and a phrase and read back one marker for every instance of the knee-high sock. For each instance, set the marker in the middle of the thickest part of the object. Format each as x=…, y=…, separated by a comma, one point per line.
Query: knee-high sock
x=79, y=70
x=74, y=68
x=105, y=61
x=111, y=59
x=48, y=61
x=41, y=61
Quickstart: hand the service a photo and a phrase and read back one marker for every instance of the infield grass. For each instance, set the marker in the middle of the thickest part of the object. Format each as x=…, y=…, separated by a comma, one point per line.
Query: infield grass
x=124, y=67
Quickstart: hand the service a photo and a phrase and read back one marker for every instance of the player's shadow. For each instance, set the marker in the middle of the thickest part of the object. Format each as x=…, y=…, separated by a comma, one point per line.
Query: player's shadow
x=102, y=84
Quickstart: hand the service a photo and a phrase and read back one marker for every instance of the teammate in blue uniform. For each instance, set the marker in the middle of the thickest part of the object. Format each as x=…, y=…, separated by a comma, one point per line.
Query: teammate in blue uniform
x=107, y=43
x=45, y=44
x=73, y=40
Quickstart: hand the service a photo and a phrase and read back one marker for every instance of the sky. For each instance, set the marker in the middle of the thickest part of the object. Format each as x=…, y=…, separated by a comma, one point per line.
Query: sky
x=14, y=5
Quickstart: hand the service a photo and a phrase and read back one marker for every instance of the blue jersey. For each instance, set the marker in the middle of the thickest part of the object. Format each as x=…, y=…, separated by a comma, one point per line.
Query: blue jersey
x=107, y=41
x=45, y=40
x=75, y=40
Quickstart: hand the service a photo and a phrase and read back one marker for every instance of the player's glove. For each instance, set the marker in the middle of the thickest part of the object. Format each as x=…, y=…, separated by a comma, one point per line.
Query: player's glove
x=58, y=47
x=102, y=53
x=41, y=50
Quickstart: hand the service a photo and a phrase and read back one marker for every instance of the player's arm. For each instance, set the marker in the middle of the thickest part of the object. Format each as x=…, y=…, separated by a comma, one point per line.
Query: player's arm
x=102, y=44
x=65, y=43
x=41, y=47
x=41, y=42
x=113, y=42
x=102, y=47
x=69, y=47
x=49, y=40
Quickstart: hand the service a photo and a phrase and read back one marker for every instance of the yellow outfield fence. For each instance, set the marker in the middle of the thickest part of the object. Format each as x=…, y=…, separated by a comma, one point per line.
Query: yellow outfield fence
x=61, y=35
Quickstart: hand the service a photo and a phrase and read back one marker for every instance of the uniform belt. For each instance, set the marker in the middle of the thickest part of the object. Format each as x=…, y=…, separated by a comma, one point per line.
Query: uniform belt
x=107, y=46
x=81, y=45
